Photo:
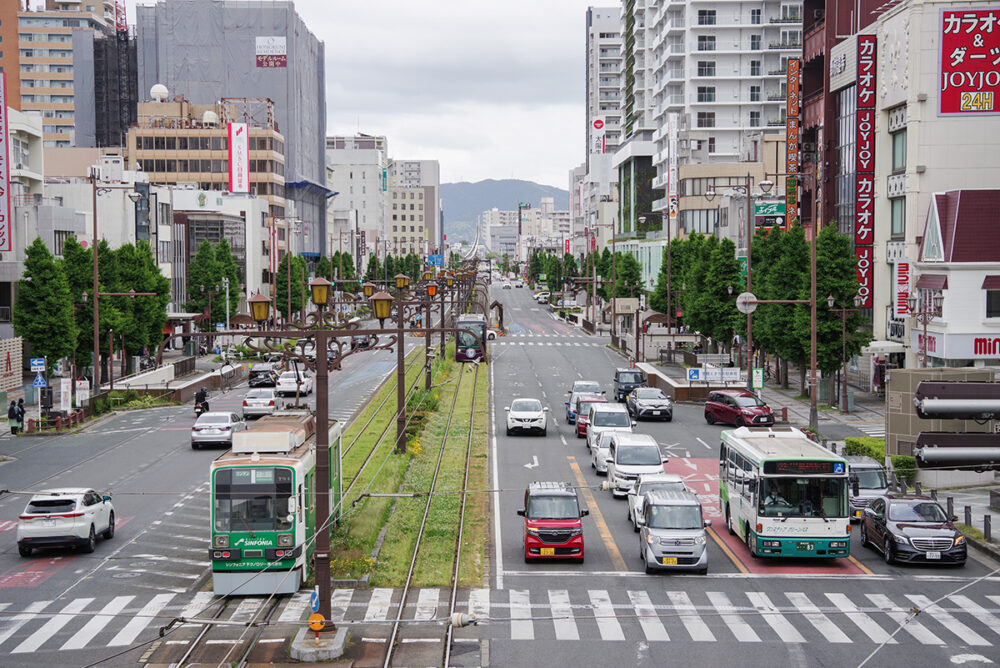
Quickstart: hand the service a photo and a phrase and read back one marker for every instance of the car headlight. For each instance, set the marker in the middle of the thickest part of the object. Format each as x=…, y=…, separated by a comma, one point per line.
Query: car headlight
x=902, y=540
x=838, y=543
x=651, y=539
x=533, y=531
x=959, y=540
x=699, y=540
x=220, y=540
x=285, y=539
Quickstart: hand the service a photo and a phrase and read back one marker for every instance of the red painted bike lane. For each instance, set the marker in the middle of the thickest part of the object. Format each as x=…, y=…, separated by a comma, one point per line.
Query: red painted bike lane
x=702, y=475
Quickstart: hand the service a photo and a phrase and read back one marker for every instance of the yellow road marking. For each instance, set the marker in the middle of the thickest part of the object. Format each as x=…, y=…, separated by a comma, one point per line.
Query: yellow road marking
x=595, y=512
x=729, y=553
x=857, y=563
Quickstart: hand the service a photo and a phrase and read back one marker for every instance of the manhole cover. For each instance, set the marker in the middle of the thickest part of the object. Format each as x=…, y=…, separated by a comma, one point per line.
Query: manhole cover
x=126, y=576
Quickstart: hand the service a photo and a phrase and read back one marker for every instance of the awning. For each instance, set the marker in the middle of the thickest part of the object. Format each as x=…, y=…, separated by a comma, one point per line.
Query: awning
x=991, y=283
x=932, y=282
x=883, y=348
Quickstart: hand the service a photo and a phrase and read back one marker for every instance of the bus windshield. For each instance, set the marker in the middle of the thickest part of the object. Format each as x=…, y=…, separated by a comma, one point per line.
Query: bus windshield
x=467, y=341
x=252, y=499
x=803, y=497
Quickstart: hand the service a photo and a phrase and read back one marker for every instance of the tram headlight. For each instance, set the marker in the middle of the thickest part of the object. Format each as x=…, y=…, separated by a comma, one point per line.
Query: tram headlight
x=220, y=540
x=285, y=539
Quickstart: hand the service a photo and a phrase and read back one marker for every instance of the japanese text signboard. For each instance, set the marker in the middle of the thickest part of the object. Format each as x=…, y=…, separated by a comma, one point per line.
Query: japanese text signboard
x=239, y=158
x=864, y=208
x=970, y=61
x=901, y=288
x=271, y=52
x=5, y=228
x=793, y=105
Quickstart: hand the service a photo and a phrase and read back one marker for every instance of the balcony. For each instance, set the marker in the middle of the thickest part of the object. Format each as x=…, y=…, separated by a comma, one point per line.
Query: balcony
x=776, y=123
x=777, y=97
x=787, y=20
x=784, y=46
x=777, y=73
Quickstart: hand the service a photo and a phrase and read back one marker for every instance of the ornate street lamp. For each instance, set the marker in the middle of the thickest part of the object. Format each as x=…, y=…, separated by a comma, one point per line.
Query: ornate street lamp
x=402, y=281
x=427, y=275
x=368, y=289
x=320, y=288
x=259, y=307
x=382, y=306
x=449, y=281
x=432, y=289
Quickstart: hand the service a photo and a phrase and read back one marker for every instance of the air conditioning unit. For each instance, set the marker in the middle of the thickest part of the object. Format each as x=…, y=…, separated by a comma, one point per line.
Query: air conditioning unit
x=808, y=147
x=818, y=14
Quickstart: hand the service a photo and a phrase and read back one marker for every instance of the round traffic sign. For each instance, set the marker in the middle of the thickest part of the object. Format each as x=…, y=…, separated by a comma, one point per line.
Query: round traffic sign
x=316, y=622
x=598, y=123
x=746, y=302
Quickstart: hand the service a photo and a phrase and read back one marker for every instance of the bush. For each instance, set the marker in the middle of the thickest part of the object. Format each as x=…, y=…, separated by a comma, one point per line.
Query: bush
x=865, y=446
x=905, y=468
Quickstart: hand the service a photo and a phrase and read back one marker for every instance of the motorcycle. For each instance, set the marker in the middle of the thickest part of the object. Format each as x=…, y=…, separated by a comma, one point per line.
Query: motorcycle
x=200, y=408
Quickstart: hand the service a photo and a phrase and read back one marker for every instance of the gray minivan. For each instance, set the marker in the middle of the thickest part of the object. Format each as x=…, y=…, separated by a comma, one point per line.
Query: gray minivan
x=871, y=479
x=672, y=533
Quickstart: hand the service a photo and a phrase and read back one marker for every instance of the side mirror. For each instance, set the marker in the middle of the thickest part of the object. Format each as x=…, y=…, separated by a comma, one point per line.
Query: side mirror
x=506, y=408
x=603, y=392
x=634, y=423
x=566, y=403
x=546, y=409
x=663, y=460
x=640, y=520
x=954, y=518
x=855, y=488
x=107, y=497
x=609, y=461
x=521, y=512
x=584, y=512
x=708, y=523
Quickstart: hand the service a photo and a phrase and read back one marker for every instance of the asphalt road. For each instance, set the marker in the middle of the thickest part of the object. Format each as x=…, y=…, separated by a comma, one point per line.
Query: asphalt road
x=65, y=608
x=791, y=612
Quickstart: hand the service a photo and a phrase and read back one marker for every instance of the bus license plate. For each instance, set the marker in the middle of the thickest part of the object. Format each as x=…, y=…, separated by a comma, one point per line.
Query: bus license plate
x=668, y=561
x=933, y=555
x=547, y=551
x=808, y=547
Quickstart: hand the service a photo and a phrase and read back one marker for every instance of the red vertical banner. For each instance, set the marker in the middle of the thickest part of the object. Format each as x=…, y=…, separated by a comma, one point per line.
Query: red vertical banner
x=864, y=184
x=970, y=52
x=239, y=158
x=565, y=245
x=793, y=108
x=5, y=226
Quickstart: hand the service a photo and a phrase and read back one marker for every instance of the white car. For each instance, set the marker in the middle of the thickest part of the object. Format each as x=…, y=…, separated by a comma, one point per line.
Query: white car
x=542, y=297
x=519, y=283
x=259, y=402
x=505, y=285
x=600, y=451
x=62, y=517
x=651, y=482
x=290, y=380
x=526, y=415
x=491, y=334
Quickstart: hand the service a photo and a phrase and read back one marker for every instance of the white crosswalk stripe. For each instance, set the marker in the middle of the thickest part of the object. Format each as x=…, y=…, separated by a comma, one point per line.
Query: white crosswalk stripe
x=977, y=611
x=136, y=625
x=697, y=628
x=53, y=626
x=97, y=623
x=378, y=605
x=775, y=619
x=563, y=615
x=900, y=616
x=521, y=627
x=427, y=603
x=648, y=620
x=12, y=625
x=296, y=607
x=947, y=620
x=812, y=614
x=604, y=613
x=862, y=620
x=339, y=602
x=876, y=430
x=740, y=629
x=479, y=603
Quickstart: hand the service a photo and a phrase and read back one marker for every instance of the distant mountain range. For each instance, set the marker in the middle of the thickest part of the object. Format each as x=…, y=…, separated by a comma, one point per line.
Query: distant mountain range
x=464, y=202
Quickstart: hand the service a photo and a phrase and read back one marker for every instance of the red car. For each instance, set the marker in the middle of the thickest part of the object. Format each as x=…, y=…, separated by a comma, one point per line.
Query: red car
x=583, y=412
x=553, y=527
x=737, y=407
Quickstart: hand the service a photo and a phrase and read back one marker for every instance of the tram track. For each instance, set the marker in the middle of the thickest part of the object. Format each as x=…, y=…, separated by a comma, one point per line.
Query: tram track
x=202, y=650
x=392, y=644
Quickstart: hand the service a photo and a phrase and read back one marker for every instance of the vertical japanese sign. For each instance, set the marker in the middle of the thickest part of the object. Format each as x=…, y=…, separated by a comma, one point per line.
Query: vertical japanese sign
x=864, y=209
x=5, y=228
x=273, y=249
x=239, y=158
x=565, y=245
x=271, y=52
x=970, y=56
x=901, y=289
x=597, y=133
x=792, y=128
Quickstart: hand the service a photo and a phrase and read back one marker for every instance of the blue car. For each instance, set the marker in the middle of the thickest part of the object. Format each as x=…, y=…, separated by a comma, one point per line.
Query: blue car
x=572, y=405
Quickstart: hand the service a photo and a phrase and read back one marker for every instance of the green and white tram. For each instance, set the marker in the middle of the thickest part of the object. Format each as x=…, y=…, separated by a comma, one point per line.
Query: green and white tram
x=783, y=494
x=264, y=506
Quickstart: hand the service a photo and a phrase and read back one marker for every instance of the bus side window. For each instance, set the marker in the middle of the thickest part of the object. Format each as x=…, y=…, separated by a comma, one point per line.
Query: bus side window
x=301, y=499
x=723, y=460
x=750, y=475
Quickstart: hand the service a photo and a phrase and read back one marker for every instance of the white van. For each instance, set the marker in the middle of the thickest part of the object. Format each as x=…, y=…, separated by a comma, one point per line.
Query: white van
x=632, y=455
x=605, y=416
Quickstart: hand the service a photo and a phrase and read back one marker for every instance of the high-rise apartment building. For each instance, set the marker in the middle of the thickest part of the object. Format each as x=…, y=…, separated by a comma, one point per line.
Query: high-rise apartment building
x=206, y=50
x=424, y=174
x=357, y=175
x=604, y=56
x=407, y=220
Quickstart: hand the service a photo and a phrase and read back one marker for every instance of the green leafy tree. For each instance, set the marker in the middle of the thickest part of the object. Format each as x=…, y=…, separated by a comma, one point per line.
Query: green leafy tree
x=629, y=276
x=143, y=317
x=535, y=268
x=227, y=269
x=783, y=274
x=374, y=271
x=43, y=310
x=699, y=253
x=288, y=263
x=324, y=268
x=723, y=284
x=605, y=268
x=204, y=270
x=390, y=268
x=77, y=265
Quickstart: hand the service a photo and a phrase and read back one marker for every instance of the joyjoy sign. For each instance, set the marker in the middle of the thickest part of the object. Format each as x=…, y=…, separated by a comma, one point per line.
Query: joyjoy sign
x=864, y=211
x=970, y=61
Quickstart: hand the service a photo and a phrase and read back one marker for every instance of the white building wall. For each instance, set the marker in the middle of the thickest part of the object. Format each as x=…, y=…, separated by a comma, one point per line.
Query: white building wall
x=604, y=42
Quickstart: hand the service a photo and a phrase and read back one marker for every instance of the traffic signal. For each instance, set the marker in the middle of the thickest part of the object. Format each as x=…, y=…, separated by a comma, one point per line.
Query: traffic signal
x=958, y=400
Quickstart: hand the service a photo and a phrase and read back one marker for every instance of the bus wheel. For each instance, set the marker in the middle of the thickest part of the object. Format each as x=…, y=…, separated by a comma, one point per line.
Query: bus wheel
x=749, y=547
x=729, y=524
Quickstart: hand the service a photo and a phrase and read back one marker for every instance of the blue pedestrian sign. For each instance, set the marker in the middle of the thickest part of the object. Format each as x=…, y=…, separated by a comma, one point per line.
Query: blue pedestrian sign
x=38, y=364
x=694, y=374
x=39, y=381
x=314, y=600
x=435, y=260
x=220, y=326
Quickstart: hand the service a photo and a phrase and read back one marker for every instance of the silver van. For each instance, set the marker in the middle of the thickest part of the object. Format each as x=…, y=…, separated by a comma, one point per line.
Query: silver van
x=672, y=533
x=630, y=456
x=604, y=417
x=871, y=480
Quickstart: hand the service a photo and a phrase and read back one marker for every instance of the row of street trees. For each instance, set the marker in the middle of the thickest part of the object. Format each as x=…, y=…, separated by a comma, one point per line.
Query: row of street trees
x=707, y=278
x=623, y=275
x=50, y=312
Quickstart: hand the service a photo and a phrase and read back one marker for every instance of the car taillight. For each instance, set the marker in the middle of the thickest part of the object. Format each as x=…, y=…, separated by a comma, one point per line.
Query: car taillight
x=195, y=428
x=271, y=403
x=27, y=517
x=244, y=402
x=226, y=428
x=69, y=515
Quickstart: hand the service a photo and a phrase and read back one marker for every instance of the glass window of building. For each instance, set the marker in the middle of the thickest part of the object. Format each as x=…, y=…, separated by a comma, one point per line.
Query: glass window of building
x=844, y=195
x=755, y=68
x=706, y=119
x=755, y=119
x=755, y=16
x=706, y=93
x=706, y=17
x=899, y=151
x=993, y=303
x=706, y=42
x=898, y=205
x=755, y=42
x=755, y=93
x=706, y=68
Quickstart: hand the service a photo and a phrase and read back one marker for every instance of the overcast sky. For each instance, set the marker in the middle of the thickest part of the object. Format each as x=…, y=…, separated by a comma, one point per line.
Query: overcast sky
x=491, y=89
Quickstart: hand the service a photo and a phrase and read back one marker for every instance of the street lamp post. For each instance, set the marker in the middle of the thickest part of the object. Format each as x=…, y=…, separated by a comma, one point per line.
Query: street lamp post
x=843, y=345
x=402, y=282
x=923, y=316
x=431, y=292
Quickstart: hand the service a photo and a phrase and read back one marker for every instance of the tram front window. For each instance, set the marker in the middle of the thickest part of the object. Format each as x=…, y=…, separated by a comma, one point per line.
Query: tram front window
x=252, y=499
x=465, y=340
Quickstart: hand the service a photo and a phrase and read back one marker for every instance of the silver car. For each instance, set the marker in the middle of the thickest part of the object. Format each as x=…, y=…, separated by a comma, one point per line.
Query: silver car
x=216, y=428
x=672, y=533
x=600, y=451
x=646, y=484
x=259, y=402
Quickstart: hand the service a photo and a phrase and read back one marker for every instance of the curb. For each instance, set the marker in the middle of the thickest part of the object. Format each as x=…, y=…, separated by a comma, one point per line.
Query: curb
x=985, y=548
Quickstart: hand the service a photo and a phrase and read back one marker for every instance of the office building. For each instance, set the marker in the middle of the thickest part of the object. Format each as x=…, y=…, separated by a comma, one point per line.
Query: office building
x=424, y=174
x=407, y=222
x=357, y=177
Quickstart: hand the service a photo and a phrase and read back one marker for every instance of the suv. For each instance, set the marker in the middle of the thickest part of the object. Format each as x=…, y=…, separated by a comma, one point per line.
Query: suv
x=737, y=407
x=65, y=517
x=630, y=456
x=603, y=417
x=672, y=533
x=552, y=522
x=263, y=374
x=627, y=380
x=542, y=297
x=871, y=481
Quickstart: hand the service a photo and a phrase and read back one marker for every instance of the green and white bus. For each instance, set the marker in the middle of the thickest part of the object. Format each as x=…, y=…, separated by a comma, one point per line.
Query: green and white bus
x=783, y=494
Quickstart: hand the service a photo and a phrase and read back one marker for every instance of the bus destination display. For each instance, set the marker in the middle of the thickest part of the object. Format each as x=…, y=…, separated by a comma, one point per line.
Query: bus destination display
x=806, y=467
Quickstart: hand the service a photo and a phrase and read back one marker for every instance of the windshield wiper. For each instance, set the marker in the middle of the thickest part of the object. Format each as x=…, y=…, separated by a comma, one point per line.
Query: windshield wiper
x=241, y=519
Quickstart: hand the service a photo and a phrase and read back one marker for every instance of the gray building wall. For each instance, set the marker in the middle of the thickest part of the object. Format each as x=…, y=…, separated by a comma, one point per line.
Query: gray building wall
x=83, y=88
x=206, y=49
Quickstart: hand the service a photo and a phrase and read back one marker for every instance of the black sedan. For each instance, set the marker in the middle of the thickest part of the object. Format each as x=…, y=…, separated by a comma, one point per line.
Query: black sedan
x=912, y=529
x=649, y=402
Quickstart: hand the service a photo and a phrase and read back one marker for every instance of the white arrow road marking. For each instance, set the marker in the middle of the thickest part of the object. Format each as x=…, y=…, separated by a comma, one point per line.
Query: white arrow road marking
x=534, y=464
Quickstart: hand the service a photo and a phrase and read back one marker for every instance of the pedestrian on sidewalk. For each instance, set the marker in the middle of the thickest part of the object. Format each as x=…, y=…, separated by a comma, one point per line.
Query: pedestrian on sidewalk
x=12, y=418
x=20, y=415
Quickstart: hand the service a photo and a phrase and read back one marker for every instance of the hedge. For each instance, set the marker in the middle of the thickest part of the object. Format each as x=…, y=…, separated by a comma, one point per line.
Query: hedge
x=868, y=446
